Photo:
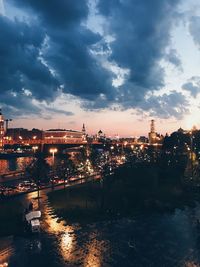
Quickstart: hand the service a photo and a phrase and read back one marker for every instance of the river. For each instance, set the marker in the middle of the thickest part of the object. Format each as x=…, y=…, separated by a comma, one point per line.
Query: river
x=14, y=164
x=156, y=240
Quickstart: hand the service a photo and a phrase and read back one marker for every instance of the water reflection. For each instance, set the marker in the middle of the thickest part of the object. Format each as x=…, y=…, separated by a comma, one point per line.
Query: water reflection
x=191, y=264
x=6, y=250
x=53, y=226
x=5, y=264
x=67, y=245
x=148, y=240
x=14, y=164
x=93, y=257
x=64, y=234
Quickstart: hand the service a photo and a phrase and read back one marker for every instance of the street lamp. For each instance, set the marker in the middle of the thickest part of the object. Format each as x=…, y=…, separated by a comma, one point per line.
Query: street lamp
x=53, y=151
x=34, y=148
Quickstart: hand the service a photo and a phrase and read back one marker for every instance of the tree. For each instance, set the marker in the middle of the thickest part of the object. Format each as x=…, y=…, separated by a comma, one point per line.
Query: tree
x=39, y=171
x=64, y=167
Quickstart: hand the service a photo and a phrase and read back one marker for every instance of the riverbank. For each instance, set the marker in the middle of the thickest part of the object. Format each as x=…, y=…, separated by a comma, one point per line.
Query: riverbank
x=130, y=191
x=12, y=208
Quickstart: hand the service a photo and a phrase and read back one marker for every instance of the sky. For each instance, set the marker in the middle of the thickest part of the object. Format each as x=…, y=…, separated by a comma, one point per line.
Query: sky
x=111, y=64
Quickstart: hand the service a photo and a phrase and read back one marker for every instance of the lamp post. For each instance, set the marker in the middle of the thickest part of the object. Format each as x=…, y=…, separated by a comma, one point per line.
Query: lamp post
x=34, y=149
x=53, y=151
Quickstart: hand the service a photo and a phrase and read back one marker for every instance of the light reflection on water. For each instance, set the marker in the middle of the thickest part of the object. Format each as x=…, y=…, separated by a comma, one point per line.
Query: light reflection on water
x=67, y=241
x=14, y=164
x=63, y=233
x=191, y=264
x=157, y=240
x=93, y=257
x=6, y=251
x=67, y=245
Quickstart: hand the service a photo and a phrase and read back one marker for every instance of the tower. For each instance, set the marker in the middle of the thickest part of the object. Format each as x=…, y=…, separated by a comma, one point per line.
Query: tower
x=84, y=132
x=83, y=129
x=152, y=126
x=1, y=130
x=152, y=133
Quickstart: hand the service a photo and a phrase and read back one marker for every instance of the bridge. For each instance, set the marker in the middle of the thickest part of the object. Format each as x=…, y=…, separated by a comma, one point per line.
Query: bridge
x=45, y=144
x=73, y=142
x=34, y=142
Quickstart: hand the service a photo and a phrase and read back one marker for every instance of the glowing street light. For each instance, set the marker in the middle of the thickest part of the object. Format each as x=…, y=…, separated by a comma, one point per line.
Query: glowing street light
x=53, y=151
x=34, y=148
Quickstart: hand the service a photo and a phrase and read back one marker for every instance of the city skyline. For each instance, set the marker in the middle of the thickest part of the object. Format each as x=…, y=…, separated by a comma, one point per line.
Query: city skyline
x=99, y=133
x=99, y=64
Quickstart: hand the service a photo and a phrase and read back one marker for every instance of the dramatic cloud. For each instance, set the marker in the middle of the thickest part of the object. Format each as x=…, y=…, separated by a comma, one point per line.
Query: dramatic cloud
x=192, y=86
x=21, y=66
x=53, y=51
x=194, y=28
x=142, y=33
x=67, y=51
x=167, y=105
x=174, y=59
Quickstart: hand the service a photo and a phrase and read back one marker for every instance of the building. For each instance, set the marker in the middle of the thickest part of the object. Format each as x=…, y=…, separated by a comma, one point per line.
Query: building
x=152, y=133
x=63, y=136
x=21, y=134
x=142, y=139
x=84, y=136
x=154, y=137
x=2, y=131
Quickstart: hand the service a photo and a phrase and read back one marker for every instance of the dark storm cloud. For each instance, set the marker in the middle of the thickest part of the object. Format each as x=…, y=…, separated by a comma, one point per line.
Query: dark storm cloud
x=174, y=104
x=59, y=111
x=20, y=65
x=142, y=32
x=53, y=50
x=57, y=13
x=68, y=50
x=17, y=104
x=192, y=86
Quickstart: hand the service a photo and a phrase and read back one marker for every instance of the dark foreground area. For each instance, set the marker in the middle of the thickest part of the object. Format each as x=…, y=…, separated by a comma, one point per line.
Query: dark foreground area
x=146, y=240
x=130, y=191
x=135, y=217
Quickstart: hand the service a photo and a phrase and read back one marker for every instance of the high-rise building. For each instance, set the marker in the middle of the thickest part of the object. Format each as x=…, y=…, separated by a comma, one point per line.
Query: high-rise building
x=1, y=130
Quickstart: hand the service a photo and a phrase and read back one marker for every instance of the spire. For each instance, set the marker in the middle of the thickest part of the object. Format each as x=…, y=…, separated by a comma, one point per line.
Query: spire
x=83, y=129
x=152, y=126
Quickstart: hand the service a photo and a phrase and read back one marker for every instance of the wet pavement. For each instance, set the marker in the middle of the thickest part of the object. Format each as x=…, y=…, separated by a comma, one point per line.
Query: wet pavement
x=170, y=239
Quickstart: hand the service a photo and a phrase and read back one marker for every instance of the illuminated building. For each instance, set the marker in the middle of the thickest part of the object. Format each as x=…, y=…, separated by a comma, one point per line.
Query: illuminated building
x=63, y=135
x=17, y=134
x=142, y=139
x=84, y=132
x=154, y=138
x=152, y=133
